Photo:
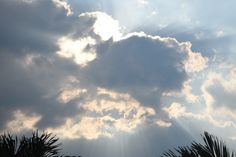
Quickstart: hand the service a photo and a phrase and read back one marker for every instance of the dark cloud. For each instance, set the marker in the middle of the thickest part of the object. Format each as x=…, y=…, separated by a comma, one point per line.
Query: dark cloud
x=141, y=66
x=28, y=89
x=32, y=26
x=29, y=32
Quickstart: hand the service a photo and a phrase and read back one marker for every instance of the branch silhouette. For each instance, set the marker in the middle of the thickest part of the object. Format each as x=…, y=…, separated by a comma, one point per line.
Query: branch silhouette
x=212, y=147
x=44, y=145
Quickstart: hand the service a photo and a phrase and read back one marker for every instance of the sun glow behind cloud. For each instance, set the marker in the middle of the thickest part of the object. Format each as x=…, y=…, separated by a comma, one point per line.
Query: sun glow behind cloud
x=104, y=26
x=76, y=49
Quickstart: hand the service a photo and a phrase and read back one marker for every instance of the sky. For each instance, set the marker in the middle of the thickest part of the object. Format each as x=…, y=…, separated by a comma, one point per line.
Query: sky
x=118, y=78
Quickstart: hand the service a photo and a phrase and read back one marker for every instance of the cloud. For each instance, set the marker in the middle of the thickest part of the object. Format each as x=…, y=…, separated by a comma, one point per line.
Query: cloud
x=69, y=94
x=219, y=92
x=105, y=115
x=143, y=2
x=105, y=26
x=26, y=28
x=163, y=123
x=89, y=128
x=76, y=50
x=187, y=92
x=214, y=106
x=83, y=69
x=176, y=110
x=121, y=73
x=63, y=4
x=195, y=62
x=86, y=78
x=81, y=44
x=31, y=74
x=22, y=121
x=144, y=66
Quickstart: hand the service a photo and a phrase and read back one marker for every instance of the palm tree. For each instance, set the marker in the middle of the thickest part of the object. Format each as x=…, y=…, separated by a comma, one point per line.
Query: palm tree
x=8, y=145
x=212, y=147
x=44, y=145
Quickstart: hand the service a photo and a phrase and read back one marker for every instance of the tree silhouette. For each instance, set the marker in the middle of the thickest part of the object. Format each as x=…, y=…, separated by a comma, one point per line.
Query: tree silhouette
x=212, y=147
x=8, y=146
x=44, y=145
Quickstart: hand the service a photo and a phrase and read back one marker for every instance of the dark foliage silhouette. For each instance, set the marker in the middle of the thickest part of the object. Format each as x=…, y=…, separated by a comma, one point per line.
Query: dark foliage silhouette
x=212, y=147
x=8, y=146
x=44, y=145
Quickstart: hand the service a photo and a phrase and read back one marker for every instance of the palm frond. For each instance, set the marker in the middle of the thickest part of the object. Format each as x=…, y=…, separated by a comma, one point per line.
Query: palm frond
x=212, y=147
x=8, y=145
x=44, y=145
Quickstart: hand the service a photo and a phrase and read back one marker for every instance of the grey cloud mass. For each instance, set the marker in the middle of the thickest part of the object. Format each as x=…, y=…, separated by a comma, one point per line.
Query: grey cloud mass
x=29, y=69
x=32, y=75
x=94, y=82
x=30, y=26
x=137, y=64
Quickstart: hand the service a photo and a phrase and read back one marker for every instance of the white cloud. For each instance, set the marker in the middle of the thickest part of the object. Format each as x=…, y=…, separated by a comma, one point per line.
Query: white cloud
x=104, y=116
x=88, y=127
x=187, y=92
x=22, y=121
x=178, y=111
x=194, y=62
x=105, y=26
x=77, y=50
x=220, y=33
x=217, y=118
x=162, y=123
x=66, y=95
x=112, y=94
x=143, y=2
x=128, y=112
x=175, y=110
x=219, y=92
x=65, y=5
x=154, y=13
x=219, y=84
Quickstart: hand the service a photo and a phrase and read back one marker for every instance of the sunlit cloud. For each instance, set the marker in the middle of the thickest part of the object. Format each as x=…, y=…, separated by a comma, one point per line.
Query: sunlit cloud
x=66, y=95
x=195, y=62
x=22, y=122
x=215, y=110
x=162, y=123
x=187, y=91
x=219, y=92
x=77, y=50
x=65, y=5
x=109, y=113
x=126, y=112
x=105, y=26
x=88, y=127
